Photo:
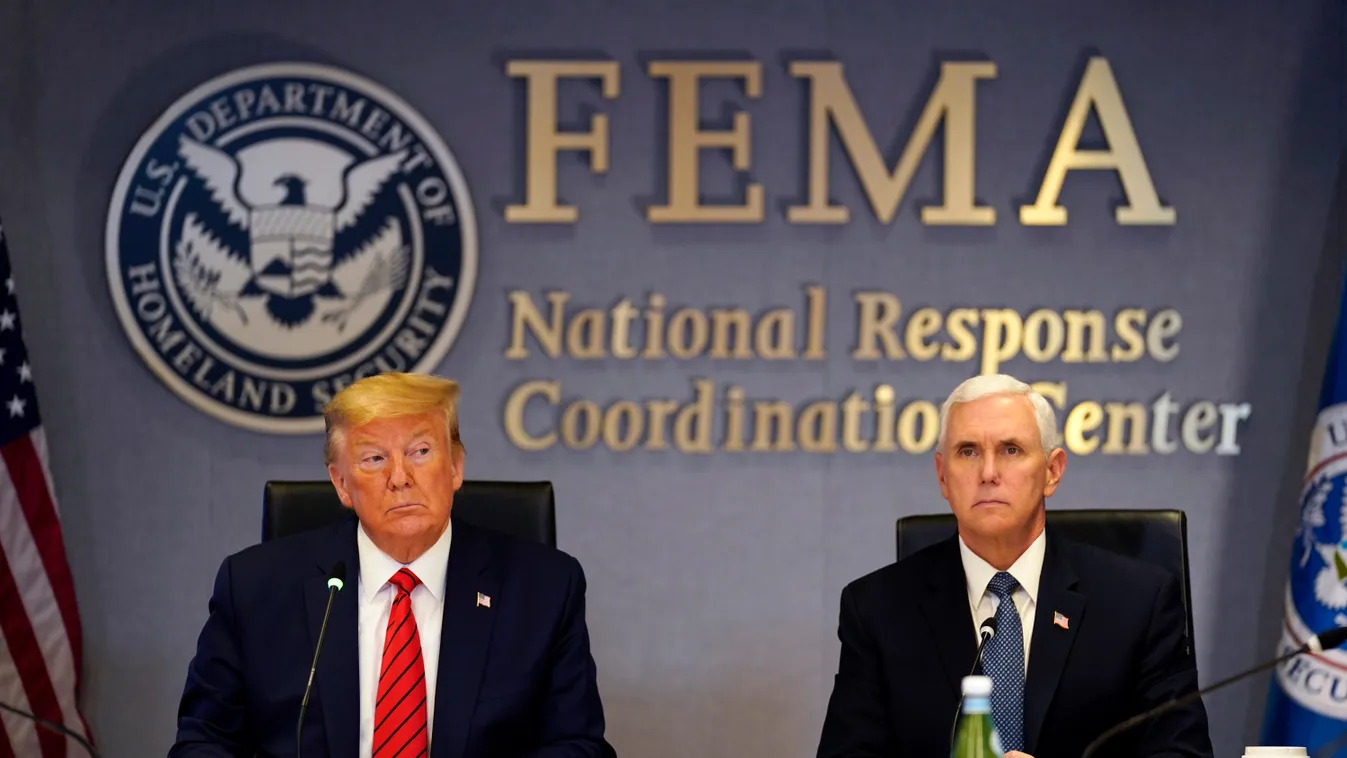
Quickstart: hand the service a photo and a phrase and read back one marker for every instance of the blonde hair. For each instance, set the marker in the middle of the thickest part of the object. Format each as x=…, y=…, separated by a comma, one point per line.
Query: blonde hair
x=389, y=395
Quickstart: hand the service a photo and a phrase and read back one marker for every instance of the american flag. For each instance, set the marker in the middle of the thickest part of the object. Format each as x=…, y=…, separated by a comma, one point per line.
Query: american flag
x=40, y=640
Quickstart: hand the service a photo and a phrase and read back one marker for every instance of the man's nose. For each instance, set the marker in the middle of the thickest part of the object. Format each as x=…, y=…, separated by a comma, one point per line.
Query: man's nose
x=398, y=475
x=991, y=471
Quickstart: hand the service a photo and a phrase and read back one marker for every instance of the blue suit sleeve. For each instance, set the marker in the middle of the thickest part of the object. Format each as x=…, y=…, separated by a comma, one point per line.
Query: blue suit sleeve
x=212, y=718
x=573, y=722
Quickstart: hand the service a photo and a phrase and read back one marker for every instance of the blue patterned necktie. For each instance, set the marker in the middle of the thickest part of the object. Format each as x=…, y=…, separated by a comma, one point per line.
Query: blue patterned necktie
x=1003, y=660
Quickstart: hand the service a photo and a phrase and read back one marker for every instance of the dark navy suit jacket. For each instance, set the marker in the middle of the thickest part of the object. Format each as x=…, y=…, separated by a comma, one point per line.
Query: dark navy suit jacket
x=515, y=678
x=907, y=642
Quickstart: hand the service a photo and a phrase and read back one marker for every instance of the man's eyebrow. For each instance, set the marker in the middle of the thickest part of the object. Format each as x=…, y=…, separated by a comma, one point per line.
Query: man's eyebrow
x=1003, y=441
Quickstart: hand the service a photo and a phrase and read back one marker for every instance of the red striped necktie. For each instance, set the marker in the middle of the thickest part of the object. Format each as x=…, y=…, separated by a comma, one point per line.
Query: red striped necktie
x=400, y=711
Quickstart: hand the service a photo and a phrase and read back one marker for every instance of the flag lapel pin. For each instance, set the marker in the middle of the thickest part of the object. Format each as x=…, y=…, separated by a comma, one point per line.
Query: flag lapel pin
x=483, y=601
x=1060, y=620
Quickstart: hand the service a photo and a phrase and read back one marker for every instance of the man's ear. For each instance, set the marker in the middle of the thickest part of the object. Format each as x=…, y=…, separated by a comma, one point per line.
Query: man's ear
x=1056, y=468
x=339, y=482
x=940, y=474
x=458, y=456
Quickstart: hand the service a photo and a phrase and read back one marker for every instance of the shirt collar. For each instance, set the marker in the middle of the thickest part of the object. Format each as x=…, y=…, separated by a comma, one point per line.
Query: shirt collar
x=376, y=567
x=1026, y=569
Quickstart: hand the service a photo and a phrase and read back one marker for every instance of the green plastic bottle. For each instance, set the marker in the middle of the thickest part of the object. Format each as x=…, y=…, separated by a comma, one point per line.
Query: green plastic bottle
x=976, y=736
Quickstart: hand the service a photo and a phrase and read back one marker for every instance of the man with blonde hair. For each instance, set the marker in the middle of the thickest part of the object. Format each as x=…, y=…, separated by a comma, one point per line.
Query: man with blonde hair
x=449, y=641
x=1083, y=638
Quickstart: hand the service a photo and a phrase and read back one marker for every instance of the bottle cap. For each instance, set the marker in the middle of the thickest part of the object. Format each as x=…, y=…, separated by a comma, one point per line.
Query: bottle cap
x=977, y=686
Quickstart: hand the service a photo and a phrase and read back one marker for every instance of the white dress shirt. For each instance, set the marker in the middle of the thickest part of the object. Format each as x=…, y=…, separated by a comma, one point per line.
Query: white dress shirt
x=1027, y=569
x=376, y=602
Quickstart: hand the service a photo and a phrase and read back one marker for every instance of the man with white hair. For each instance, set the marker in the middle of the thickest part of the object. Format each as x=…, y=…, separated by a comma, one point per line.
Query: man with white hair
x=1084, y=638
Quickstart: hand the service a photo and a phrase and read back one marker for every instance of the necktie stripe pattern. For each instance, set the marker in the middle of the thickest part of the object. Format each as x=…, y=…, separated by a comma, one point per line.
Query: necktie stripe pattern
x=1003, y=658
x=389, y=660
x=400, y=718
x=394, y=636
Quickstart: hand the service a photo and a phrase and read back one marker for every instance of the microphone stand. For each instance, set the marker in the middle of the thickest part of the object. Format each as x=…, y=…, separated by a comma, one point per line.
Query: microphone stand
x=336, y=580
x=1185, y=700
x=985, y=633
x=45, y=724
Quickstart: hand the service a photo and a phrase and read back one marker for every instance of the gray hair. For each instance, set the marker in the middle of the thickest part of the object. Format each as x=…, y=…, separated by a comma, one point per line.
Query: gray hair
x=1003, y=384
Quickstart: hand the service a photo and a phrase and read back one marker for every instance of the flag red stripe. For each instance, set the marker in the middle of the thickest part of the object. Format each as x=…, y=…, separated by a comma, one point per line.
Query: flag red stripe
x=27, y=471
x=28, y=659
x=6, y=749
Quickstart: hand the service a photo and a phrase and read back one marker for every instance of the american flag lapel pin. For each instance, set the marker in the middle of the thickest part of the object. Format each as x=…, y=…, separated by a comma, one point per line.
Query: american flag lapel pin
x=1060, y=620
x=483, y=600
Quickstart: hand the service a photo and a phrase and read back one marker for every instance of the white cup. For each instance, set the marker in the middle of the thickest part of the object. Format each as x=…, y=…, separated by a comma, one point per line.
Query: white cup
x=1273, y=751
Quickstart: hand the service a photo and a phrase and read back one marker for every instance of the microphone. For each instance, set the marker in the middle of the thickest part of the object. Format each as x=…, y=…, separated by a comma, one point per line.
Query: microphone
x=985, y=633
x=335, y=581
x=45, y=724
x=1328, y=640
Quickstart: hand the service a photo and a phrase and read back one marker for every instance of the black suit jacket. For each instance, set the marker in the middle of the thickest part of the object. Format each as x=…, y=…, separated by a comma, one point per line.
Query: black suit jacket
x=908, y=640
x=514, y=679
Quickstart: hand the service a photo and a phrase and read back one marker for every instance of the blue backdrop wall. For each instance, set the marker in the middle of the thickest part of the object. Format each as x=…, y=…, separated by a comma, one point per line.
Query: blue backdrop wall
x=885, y=223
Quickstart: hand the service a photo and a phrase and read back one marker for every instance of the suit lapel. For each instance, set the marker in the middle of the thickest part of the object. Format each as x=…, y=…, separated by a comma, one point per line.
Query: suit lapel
x=465, y=639
x=337, y=684
x=945, y=606
x=1050, y=645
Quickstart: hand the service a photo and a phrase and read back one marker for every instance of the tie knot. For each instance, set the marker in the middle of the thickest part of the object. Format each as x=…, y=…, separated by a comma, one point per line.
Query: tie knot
x=405, y=581
x=1002, y=584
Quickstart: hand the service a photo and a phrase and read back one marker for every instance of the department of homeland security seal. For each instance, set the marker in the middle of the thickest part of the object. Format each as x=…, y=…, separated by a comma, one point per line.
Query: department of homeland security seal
x=1316, y=593
x=282, y=231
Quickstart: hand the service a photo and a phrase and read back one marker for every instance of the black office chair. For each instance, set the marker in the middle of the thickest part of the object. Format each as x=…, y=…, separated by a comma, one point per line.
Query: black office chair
x=522, y=509
x=1159, y=537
